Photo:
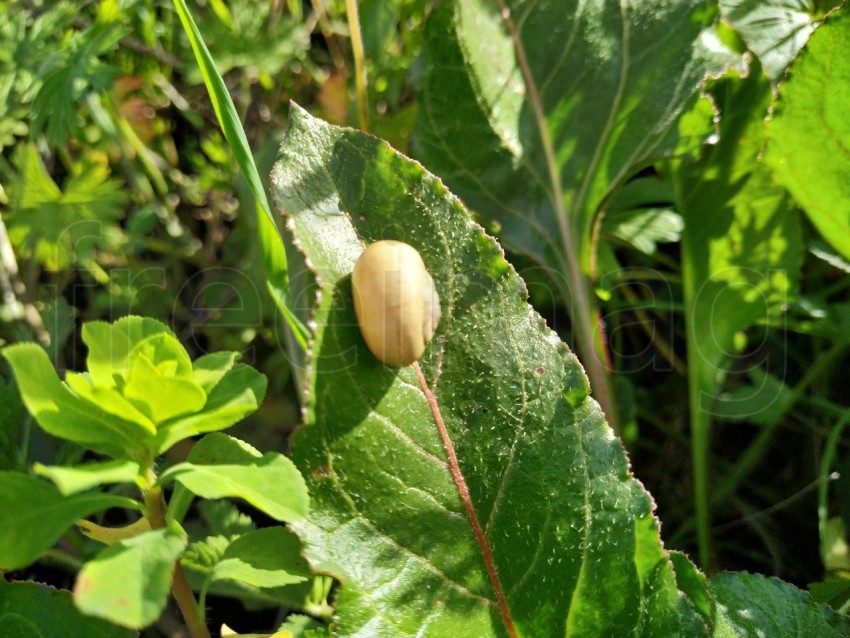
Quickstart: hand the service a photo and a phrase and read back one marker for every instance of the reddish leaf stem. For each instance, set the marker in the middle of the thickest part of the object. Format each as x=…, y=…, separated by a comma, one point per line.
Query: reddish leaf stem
x=454, y=468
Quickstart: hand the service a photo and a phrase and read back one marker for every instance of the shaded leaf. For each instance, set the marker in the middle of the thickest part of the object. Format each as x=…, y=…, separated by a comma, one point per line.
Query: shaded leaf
x=50, y=613
x=35, y=514
x=535, y=114
x=643, y=228
x=582, y=556
x=70, y=73
x=268, y=557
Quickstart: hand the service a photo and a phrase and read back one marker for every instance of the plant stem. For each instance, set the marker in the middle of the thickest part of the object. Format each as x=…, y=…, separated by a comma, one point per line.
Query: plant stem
x=156, y=508
x=584, y=312
x=359, y=62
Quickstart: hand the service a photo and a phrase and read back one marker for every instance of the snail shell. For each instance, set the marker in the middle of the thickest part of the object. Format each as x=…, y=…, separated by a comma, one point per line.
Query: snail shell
x=395, y=301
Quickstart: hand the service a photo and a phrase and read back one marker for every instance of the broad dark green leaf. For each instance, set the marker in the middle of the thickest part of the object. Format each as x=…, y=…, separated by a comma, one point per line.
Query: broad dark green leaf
x=35, y=514
x=573, y=540
x=741, y=254
x=49, y=613
x=775, y=30
x=128, y=583
x=220, y=466
x=534, y=113
x=755, y=605
x=810, y=131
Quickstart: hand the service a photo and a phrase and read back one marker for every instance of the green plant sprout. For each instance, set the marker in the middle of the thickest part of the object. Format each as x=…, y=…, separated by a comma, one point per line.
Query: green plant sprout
x=141, y=395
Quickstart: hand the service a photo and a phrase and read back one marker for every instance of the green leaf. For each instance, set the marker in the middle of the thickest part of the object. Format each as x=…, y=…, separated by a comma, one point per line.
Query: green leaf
x=109, y=345
x=238, y=393
x=835, y=592
x=268, y=557
x=643, y=228
x=54, y=227
x=72, y=72
x=221, y=466
x=534, y=115
x=71, y=480
x=62, y=413
x=693, y=583
x=49, y=612
x=159, y=396
x=35, y=514
x=574, y=545
x=202, y=556
x=210, y=369
x=810, y=132
x=128, y=583
x=775, y=30
x=271, y=244
x=222, y=517
x=755, y=605
x=741, y=254
x=305, y=627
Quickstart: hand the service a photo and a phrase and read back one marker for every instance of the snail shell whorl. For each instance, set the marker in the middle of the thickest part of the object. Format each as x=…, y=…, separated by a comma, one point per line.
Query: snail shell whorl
x=396, y=302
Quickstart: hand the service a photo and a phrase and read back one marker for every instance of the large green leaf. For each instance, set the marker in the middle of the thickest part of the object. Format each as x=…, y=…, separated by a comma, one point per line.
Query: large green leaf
x=754, y=605
x=220, y=466
x=567, y=535
x=50, y=613
x=535, y=113
x=741, y=254
x=35, y=514
x=128, y=583
x=810, y=131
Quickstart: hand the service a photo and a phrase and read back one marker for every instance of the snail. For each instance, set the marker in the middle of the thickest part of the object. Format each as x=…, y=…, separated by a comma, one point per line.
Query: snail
x=395, y=301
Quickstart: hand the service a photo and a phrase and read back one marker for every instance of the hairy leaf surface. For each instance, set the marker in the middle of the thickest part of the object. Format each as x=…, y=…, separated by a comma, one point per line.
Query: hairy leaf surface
x=567, y=530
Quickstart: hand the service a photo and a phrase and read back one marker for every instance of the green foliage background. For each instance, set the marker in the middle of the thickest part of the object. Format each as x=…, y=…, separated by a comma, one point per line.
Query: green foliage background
x=721, y=278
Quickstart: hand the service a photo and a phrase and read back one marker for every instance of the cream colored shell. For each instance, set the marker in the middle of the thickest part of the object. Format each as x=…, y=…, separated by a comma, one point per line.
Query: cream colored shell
x=396, y=302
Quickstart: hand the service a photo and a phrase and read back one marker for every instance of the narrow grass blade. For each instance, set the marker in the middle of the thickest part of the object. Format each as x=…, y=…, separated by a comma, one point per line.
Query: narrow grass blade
x=273, y=253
